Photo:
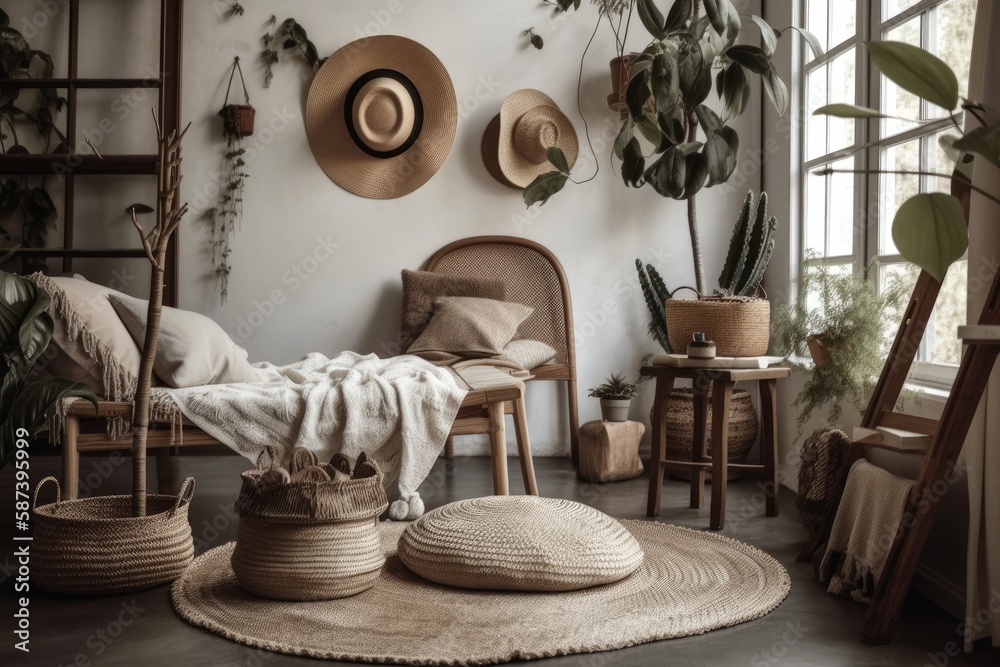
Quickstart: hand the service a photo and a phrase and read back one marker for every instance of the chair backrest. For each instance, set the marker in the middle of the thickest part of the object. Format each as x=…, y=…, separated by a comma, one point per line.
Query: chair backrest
x=533, y=276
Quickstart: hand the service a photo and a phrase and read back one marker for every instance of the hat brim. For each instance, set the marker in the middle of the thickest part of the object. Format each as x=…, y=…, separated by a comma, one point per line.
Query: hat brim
x=516, y=169
x=490, y=147
x=326, y=129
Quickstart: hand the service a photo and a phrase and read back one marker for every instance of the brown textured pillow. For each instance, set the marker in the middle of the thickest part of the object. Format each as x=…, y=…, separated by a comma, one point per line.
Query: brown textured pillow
x=469, y=327
x=422, y=288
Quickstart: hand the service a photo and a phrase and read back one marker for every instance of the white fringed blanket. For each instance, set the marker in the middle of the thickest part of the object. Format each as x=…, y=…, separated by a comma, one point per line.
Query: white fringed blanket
x=398, y=411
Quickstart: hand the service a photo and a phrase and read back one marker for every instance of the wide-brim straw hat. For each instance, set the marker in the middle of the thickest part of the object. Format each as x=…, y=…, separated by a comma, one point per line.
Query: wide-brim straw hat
x=517, y=140
x=381, y=116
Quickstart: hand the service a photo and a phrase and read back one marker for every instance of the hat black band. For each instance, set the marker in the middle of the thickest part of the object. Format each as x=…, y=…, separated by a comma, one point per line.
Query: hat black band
x=418, y=111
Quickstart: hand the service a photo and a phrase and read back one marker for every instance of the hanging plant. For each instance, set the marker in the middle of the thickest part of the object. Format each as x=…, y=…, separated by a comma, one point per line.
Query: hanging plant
x=21, y=195
x=224, y=220
x=290, y=35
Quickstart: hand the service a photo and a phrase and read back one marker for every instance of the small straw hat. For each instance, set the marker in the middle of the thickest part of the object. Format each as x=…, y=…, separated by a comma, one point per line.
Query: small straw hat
x=516, y=141
x=381, y=116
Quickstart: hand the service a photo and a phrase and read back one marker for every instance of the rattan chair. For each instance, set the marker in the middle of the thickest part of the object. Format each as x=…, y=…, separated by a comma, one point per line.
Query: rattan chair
x=535, y=278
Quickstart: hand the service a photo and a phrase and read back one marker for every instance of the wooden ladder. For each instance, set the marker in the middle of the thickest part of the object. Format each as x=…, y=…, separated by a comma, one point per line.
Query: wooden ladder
x=947, y=438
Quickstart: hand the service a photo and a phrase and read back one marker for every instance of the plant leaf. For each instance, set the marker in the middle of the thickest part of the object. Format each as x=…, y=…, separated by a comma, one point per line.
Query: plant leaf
x=751, y=57
x=679, y=14
x=633, y=163
x=715, y=16
x=848, y=111
x=25, y=327
x=916, y=71
x=810, y=39
x=651, y=18
x=776, y=90
x=984, y=141
x=636, y=95
x=734, y=89
x=557, y=158
x=30, y=407
x=930, y=230
x=544, y=186
x=768, y=35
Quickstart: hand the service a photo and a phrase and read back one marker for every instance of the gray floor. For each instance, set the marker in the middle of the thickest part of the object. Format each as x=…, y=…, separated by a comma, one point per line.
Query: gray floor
x=809, y=628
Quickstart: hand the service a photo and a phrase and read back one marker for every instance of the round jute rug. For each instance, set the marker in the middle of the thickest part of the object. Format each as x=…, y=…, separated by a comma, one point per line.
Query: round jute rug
x=689, y=583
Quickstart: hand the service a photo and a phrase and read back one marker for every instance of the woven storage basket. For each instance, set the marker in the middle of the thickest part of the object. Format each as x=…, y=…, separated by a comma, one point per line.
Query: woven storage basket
x=743, y=427
x=309, y=540
x=740, y=326
x=237, y=119
x=94, y=545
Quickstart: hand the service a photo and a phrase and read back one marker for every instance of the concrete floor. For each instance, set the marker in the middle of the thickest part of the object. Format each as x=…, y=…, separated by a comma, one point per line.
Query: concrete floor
x=809, y=628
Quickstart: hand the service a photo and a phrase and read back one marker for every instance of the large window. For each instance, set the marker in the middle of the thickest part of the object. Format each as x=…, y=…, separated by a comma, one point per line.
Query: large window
x=847, y=218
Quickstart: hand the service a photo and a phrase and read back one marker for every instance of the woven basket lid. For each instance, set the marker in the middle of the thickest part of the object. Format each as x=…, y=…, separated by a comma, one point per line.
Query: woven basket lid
x=519, y=543
x=381, y=116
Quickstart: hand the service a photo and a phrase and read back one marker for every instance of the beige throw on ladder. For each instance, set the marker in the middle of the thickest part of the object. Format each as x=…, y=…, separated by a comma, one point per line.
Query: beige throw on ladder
x=863, y=530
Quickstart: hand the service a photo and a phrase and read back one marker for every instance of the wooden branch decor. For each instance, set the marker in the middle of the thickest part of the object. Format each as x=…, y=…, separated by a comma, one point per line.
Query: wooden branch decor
x=168, y=217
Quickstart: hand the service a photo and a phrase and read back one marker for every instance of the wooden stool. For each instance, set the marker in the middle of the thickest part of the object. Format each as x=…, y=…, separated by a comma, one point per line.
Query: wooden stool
x=721, y=381
x=609, y=451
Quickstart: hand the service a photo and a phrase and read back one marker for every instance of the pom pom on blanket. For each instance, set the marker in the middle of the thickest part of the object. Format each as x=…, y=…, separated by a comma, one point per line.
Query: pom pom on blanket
x=407, y=508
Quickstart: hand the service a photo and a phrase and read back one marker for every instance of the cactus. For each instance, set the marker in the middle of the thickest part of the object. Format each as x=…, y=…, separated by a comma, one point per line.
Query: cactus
x=655, y=292
x=750, y=248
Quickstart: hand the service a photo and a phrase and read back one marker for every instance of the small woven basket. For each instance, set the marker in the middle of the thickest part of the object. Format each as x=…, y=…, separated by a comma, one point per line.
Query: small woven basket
x=742, y=435
x=740, y=326
x=237, y=119
x=309, y=540
x=95, y=546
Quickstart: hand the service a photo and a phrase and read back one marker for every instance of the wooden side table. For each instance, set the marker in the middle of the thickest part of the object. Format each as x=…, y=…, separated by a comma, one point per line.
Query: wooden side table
x=721, y=381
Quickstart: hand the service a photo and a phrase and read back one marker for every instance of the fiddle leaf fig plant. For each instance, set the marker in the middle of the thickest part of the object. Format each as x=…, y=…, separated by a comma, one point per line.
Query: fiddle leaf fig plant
x=673, y=138
x=929, y=228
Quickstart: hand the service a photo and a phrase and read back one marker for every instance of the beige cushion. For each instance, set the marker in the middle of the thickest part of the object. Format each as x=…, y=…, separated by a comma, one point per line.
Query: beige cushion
x=522, y=543
x=527, y=353
x=89, y=343
x=192, y=350
x=422, y=288
x=469, y=328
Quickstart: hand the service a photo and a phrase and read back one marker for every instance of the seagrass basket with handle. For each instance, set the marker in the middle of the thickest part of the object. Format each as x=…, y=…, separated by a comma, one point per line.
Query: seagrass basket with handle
x=95, y=546
x=308, y=540
x=739, y=325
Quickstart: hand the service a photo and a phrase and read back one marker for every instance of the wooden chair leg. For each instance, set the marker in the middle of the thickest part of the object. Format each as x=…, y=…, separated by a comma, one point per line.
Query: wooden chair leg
x=699, y=445
x=524, y=447
x=664, y=385
x=449, y=447
x=498, y=447
x=721, y=394
x=768, y=442
x=574, y=423
x=71, y=458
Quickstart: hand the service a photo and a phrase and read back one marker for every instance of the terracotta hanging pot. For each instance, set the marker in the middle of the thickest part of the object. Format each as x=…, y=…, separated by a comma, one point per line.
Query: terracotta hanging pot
x=819, y=351
x=621, y=70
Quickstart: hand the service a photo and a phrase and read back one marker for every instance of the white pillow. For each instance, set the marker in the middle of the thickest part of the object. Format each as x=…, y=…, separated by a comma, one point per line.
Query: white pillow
x=192, y=349
x=527, y=353
x=90, y=344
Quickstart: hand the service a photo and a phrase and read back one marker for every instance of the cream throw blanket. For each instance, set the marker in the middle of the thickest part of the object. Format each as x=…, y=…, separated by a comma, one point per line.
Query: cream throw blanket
x=863, y=530
x=398, y=411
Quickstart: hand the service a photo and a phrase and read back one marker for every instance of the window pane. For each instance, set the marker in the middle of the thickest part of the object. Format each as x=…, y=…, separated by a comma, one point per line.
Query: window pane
x=841, y=232
x=842, y=89
x=815, y=222
x=893, y=7
x=816, y=21
x=953, y=39
x=816, y=126
x=842, y=21
x=949, y=314
x=896, y=188
x=895, y=100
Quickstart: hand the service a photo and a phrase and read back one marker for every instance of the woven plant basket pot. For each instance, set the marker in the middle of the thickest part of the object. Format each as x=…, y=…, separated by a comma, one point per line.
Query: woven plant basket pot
x=743, y=427
x=309, y=540
x=740, y=326
x=237, y=120
x=95, y=546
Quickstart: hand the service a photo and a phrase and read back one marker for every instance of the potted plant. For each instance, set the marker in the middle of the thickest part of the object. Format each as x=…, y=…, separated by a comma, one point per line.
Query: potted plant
x=844, y=324
x=670, y=117
x=25, y=332
x=616, y=396
x=737, y=316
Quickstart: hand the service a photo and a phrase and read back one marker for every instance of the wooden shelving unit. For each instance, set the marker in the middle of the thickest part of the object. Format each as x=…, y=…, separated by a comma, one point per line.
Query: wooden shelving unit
x=72, y=165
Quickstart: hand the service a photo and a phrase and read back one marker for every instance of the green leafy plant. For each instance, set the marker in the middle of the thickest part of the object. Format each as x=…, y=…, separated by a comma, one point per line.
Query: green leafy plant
x=235, y=9
x=224, y=219
x=929, y=229
x=750, y=249
x=670, y=121
x=30, y=110
x=290, y=35
x=25, y=332
x=533, y=38
x=614, y=388
x=848, y=321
